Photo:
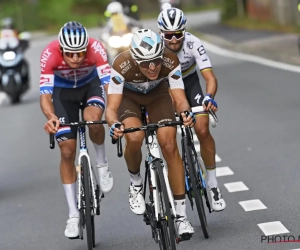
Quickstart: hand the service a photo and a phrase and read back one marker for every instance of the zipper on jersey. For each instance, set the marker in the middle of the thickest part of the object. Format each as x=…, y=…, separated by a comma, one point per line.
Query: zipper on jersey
x=75, y=78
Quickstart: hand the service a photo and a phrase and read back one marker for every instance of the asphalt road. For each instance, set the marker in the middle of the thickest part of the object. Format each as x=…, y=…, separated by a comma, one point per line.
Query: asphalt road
x=256, y=138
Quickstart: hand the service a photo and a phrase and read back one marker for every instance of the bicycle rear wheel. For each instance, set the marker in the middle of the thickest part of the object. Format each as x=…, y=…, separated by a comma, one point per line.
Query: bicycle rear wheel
x=89, y=218
x=168, y=240
x=192, y=161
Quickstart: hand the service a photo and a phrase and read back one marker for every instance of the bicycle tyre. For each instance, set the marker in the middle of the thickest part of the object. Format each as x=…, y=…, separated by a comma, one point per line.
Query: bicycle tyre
x=163, y=242
x=167, y=229
x=89, y=225
x=196, y=189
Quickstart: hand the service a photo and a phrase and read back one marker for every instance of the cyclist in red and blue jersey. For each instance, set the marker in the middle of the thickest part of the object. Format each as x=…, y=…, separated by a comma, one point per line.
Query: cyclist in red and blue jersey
x=75, y=71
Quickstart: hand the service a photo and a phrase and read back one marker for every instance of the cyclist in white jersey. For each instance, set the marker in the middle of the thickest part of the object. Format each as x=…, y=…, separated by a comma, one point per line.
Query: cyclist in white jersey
x=191, y=53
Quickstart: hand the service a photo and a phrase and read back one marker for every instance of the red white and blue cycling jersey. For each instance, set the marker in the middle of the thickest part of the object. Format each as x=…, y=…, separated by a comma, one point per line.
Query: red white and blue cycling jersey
x=55, y=72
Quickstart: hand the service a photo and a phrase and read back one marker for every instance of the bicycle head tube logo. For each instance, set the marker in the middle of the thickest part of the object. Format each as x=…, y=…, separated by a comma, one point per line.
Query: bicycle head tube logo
x=82, y=140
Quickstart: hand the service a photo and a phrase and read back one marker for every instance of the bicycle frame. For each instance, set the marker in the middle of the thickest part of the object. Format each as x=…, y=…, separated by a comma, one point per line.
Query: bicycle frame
x=84, y=152
x=198, y=168
x=153, y=155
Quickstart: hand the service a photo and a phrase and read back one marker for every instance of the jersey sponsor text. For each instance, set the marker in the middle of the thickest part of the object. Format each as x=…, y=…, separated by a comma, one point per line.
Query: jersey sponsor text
x=99, y=49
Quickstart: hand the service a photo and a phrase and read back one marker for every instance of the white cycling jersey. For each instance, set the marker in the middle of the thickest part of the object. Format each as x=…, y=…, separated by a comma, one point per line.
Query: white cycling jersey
x=191, y=54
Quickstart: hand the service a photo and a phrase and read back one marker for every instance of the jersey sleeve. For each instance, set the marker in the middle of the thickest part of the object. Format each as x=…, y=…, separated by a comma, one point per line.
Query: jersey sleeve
x=103, y=68
x=175, y=78
x=116, y=83
x=200, y=55
x=47, y=63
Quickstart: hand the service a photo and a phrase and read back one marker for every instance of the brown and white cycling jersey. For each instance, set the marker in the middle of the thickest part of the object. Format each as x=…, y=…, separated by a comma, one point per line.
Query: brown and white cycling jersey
x=126, y=73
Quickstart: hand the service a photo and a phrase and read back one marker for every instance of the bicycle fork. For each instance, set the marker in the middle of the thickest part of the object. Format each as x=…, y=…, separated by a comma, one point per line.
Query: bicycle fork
x=95, y=190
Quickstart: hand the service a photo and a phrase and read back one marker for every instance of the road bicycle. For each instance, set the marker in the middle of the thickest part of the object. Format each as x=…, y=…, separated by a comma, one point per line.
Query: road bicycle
x=89, y=194
x=195, y=173
x=160, y=211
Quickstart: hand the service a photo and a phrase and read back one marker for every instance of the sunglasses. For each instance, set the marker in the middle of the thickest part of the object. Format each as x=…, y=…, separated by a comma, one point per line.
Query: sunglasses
x=146, y=64
x=178, y=35
x=71, y=54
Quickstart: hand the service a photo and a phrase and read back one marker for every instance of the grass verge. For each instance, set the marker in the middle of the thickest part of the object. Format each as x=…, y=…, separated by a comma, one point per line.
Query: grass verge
x=49, y=16
x=185, y=9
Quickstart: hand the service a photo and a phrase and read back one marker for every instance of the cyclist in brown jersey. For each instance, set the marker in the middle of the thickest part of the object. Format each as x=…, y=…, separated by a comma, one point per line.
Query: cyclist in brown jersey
x=138, y=78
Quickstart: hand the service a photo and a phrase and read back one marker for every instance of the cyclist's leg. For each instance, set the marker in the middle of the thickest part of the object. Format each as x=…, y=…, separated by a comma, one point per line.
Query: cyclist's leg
x=130, y=114
x=161, y=110
x=67, y=111
x=95, y=105
x=195, y=97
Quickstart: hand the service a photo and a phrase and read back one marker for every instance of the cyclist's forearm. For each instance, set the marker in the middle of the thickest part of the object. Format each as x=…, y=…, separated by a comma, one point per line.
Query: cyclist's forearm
x=113, y=104
x=47, y=106
x=182, y=106
x=111, y=116
x=180, y=102
x=211, y=86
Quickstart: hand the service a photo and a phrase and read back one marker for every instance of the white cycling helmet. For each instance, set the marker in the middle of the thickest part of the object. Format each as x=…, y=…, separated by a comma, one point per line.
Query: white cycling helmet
x=73, y=36
x=114, y=7
x=145, y=45
x=171, y=19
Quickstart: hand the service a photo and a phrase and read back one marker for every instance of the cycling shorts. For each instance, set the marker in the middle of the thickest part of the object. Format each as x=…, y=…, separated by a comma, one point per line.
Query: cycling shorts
x=194, y=93
x=66, y=102
x=157, y=101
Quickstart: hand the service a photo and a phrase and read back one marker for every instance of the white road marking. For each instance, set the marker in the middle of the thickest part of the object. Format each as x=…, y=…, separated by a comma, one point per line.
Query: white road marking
x=274, y=227
x=223, y=171
x=252, y=205
x=217, y=158
x=236, y=186
x=250, y=58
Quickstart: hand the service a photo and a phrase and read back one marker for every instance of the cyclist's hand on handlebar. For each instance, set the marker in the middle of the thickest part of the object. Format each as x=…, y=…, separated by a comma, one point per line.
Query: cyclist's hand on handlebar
x=188, y=118
x=116, y=130
x=50, y=128
x=209, y=103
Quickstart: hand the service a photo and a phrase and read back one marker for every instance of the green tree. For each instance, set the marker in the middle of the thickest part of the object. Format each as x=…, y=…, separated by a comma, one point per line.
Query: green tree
x=229, y=9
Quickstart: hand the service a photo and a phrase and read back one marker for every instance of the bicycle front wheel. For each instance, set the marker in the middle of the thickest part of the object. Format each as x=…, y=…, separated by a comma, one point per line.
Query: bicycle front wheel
x=192, y=161
x=89, y=218
x=167, y=222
